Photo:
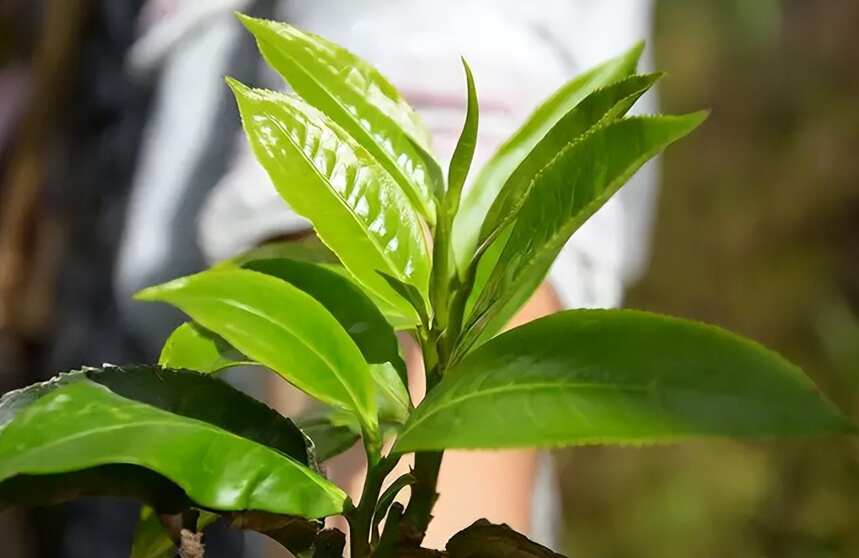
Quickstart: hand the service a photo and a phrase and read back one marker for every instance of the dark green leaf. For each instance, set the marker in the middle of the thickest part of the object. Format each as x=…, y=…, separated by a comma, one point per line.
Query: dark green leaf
x=180, y=428
x=295, y=534
x=499, y=168
x=358, y=98
x=324, y=175
x=282, y=327
x=616, y=376
x=152, y=540
x=483, y=539
x=308, y=249
x=388, y=496
x=330, y=438
x=577, y=182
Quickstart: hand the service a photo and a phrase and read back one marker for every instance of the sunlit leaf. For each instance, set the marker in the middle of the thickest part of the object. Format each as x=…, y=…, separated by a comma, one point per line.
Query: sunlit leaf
x=601, y=106
x=324, y=175
x=355, y=312
x=565, y=193
x=499, y=168
x=358, y=98
x=280, y=326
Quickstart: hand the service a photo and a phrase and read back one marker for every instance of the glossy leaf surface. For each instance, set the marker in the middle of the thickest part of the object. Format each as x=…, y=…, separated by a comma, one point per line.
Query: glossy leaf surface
x=616, y=377
x=357, y=314
x=502, y=164
x=601, y=106
x=358, y=98
x=571, y=188
x=324, y=175
x=191, y=429
x=196, y=348
x=280, y=326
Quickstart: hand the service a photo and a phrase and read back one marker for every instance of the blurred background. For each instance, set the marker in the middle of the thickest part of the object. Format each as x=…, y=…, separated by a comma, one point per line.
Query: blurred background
x=756, y=229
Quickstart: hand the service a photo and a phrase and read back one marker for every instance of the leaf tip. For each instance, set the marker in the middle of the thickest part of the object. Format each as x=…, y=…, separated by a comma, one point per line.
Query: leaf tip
x=246, y=20
x=636, y=50
x=237, y=87
x=149, y=294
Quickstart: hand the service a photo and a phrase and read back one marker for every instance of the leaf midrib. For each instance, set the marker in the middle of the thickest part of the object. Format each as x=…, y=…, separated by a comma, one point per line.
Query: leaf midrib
x=240, y=306
x=574, y=222
x=423, y=204
x=373, y=240
x=179, y=422
x=529, y=387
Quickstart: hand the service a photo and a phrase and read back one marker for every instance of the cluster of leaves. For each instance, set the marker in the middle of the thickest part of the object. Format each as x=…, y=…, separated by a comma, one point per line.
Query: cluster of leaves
x=401, y=250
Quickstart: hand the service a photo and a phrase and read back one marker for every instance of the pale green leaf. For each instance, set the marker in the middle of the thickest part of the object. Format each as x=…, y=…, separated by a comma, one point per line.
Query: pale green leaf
x=602, y=106
x=502, y=164
x=565, y=193
x=324, y=175
x=358, y=98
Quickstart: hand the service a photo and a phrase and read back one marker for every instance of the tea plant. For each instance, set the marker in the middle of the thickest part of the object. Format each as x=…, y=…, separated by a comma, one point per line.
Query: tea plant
x=403, y=250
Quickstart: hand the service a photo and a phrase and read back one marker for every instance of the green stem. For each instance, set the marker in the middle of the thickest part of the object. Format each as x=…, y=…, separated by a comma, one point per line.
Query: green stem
x=360, y=518
x=418, y=514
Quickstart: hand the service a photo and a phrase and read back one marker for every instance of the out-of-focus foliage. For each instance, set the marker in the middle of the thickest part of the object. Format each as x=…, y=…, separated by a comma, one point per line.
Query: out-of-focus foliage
x=769, y=190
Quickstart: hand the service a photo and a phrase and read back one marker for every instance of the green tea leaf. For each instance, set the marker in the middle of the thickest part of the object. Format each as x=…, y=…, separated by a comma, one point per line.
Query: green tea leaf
x=565, y=193
x=463, y=153
x=443, y=257
x=616, y=377
x=194, y=347
x=308, y=249
x=102, y=431
x=359, y=99
x=280, y=326
x=324, y=175
x=411, y=294
x=499, y=168
x=601, y=106
x=355, y=312
x=393, y=397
